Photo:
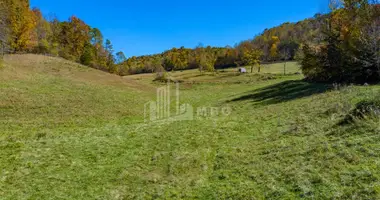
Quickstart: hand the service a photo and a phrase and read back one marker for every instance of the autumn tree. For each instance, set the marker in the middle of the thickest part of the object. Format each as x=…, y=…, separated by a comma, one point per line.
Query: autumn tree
x=156, y=66
x=26, y=30
x=349, y=52
x=287, y=51
x=251, y=57
x=171, y=59
x=42, y=33
x=55, y=40
x=120, y=57
x=77, y=41
x=3, y=28
x=227, y=57
x=176, y=59
x=87, y=57
x=110, y=58
x=21, y=24
x=101, y=55
x=274, y=47
x=206, y=59
x=74, y=36
x=96, y=37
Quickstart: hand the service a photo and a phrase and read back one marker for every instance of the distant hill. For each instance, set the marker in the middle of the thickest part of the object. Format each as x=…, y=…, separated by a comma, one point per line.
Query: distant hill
x=26, y=30
x=278, y=43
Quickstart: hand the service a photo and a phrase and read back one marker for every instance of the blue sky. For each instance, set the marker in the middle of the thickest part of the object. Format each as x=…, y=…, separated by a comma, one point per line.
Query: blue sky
x=143, y=27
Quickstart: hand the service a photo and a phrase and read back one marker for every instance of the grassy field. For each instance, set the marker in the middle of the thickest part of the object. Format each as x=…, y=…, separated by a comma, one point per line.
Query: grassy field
x=70, y=132
x=230, y=75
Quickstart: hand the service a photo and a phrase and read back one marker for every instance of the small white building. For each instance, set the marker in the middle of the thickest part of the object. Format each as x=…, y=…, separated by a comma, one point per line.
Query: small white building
x=242, y=70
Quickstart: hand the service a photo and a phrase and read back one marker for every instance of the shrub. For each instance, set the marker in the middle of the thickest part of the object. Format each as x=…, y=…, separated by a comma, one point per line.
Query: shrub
x=366, y=108
x=161, y=77
x=310, y=64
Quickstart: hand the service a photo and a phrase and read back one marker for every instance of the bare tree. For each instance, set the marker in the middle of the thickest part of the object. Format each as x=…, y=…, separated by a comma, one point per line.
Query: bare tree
x=3, y=27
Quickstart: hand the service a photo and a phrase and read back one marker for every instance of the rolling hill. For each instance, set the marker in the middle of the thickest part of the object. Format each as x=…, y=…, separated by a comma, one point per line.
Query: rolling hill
x=72, y=132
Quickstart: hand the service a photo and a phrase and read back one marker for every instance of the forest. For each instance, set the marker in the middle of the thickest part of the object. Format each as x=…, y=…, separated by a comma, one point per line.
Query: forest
x=351, y=30
x=28, y=31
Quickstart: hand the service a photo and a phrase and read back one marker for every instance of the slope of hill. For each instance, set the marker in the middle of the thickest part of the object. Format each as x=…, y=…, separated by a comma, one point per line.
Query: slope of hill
x=72, y=135
x=39, y=91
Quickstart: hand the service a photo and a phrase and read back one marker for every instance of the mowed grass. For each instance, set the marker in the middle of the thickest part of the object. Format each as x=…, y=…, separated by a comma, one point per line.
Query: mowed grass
x=229, y=75
x=66, y=135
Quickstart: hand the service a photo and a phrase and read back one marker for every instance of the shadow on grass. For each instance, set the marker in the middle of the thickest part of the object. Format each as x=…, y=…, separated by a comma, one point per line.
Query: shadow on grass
x=284, y=91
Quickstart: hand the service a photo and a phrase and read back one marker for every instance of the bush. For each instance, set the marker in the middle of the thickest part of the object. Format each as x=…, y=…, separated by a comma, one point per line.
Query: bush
x=161, y=77
x=366, y=108
x=310, y=64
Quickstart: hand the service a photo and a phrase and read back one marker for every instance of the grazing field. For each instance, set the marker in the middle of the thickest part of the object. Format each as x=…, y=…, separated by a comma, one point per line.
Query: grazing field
x=230, y=75
x=70, y=132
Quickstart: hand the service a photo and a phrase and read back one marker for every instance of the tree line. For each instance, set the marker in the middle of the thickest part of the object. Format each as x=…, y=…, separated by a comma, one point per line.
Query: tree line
x=282, y=43
x=349, y=51
x=26, y=30
x=342, y=45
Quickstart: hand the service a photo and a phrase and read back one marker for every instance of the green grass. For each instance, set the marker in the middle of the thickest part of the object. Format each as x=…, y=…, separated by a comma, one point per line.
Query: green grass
x=69, y=135
x=230, y=75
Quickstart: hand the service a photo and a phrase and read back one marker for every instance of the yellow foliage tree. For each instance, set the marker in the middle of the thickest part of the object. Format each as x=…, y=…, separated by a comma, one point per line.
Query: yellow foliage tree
x=251, y=57
x=21, y=23
x=273, y=49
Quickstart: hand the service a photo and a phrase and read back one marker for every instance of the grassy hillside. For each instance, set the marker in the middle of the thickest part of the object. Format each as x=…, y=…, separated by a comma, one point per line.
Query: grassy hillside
x=70, y=132
x=40, y=92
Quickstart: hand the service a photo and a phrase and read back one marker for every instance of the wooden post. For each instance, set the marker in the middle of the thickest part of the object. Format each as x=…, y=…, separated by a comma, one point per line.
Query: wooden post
x=2, y=52
x=2, y=48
